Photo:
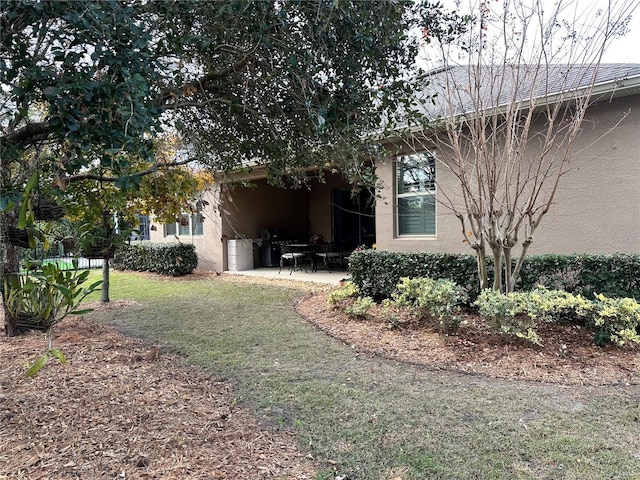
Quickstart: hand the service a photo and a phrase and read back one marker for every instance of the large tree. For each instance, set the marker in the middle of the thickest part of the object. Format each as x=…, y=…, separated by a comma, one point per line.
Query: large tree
x=509, y=115
x=86, y=85
x=76, y=79
x=292, y=85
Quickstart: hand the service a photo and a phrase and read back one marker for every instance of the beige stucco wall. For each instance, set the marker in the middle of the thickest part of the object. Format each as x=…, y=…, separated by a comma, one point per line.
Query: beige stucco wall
x=208, y=245
x=597, y=208
x=598, y=205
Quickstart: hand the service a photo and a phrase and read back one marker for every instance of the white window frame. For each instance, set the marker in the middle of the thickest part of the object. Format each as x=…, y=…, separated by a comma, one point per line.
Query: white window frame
x=177, y=227
x=429, y=190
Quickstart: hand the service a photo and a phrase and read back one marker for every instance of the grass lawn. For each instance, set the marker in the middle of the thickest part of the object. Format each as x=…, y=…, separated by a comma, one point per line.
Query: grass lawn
x=62, y=264
x=369, y=418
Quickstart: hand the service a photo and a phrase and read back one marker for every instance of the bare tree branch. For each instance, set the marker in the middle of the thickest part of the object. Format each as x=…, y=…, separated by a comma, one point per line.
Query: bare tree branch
x=510, y=118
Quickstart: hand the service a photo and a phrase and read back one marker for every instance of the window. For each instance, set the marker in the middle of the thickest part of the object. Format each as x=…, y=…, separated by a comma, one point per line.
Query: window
x=416, y=194
x=196, y=224
x=186, y=225
x=170, y=229
x=143, y=228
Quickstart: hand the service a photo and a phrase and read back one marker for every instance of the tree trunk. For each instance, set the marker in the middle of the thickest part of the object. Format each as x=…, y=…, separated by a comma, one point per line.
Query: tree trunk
x=104, y=292
x=497, y=268
x=483, y=275
x=510, y=284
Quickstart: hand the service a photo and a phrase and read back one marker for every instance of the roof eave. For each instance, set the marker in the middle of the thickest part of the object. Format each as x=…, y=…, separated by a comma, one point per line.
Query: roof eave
x=601, y=91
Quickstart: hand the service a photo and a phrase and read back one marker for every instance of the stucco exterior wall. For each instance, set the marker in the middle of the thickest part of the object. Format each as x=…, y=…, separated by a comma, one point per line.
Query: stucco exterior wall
x=247, y=210
x=597, y=208
x=208, y=245
x=598, y=205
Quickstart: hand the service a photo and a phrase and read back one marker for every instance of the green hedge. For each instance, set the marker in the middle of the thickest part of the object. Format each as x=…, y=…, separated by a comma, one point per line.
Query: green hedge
x=166, y=259
x=376, y=273
x=616, y=275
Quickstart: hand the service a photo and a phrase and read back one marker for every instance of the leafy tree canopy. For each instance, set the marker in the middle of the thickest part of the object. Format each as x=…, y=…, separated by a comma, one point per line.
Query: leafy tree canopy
x=293, y=84
x=76, y=81
x=86, y=86
x=288, y=84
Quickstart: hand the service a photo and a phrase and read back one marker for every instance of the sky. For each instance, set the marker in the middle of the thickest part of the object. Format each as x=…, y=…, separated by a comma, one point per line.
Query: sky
x=625, y=49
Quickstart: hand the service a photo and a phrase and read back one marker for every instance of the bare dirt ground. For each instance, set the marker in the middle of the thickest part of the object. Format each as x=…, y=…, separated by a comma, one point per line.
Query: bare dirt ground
x=568, y=355
x=125, y=409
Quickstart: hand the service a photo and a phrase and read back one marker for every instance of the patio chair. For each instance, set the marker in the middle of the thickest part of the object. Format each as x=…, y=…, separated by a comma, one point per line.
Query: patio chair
x=296, y=259
x=332, y=255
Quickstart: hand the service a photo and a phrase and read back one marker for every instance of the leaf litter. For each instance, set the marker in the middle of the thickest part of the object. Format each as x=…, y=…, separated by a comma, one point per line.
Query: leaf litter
x=122, y=409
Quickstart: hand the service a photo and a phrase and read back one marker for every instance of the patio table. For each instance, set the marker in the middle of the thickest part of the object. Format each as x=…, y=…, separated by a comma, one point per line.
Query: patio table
x=309, y=249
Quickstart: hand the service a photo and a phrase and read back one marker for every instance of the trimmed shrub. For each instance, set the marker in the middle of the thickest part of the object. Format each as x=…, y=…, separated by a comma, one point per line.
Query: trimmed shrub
x=436, y=299
x=376, y=273
x=616, y=275
x=166, y=259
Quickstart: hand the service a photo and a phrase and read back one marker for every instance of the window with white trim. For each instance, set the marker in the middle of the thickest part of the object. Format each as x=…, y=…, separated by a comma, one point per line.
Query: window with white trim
x=185, y=226
x=170, y=229
x=416, y=194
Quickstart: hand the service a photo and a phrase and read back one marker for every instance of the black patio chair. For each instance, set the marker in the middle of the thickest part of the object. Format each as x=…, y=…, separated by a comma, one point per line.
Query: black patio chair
x=332, y=254
x=296, y=259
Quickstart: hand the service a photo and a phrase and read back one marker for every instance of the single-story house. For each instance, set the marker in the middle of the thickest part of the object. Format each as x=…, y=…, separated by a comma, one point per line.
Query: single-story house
x=596, y=209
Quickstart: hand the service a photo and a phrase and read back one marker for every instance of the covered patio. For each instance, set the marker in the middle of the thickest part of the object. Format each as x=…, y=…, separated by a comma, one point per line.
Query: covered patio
x=267, y=218
x=321, y=276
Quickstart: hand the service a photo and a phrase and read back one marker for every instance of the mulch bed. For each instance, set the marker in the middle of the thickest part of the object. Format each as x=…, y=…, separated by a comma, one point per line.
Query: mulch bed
x=568, y=356
x=124, y=409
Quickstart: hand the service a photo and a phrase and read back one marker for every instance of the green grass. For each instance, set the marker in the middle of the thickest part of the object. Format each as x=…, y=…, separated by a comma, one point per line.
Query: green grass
x=378, y=418
x=62, y=264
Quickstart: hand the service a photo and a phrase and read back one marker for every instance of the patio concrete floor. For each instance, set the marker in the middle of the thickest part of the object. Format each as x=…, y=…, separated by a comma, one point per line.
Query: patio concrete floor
x=320, y=276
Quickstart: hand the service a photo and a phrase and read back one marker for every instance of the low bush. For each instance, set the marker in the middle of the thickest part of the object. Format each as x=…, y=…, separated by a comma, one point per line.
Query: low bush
x=434, y=299
x=360, y=307
x=615, y=319
x=508, y=314
x=166, y=259
x=347, y=297
x=342, y=293
x=517, y=314
x=45, y=295
x=42, y=298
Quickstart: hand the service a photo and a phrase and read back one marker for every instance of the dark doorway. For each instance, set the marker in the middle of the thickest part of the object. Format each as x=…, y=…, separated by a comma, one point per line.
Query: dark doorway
x=353, y=217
